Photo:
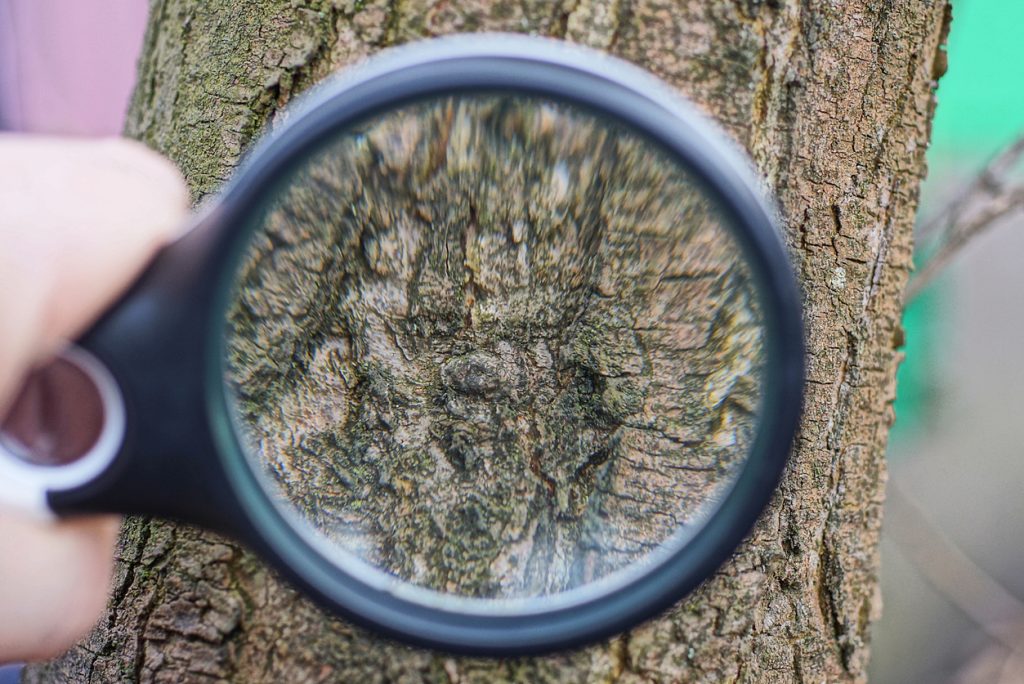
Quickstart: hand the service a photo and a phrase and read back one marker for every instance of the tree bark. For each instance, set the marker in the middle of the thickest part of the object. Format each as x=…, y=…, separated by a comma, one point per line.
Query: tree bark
x=832, y=100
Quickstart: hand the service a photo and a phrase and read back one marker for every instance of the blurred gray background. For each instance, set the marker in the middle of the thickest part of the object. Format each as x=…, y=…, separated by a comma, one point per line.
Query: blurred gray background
x=953, y=536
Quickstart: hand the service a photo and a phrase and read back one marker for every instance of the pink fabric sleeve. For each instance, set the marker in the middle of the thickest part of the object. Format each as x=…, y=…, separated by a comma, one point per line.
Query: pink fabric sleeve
x=68, y=67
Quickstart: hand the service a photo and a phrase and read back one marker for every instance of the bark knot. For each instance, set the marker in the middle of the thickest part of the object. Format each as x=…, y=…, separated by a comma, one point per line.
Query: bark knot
x=477, y=374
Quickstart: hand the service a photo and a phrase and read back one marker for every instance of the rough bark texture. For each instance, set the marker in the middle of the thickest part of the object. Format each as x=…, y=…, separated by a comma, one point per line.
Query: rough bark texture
x=832, y=100
x=495, y=346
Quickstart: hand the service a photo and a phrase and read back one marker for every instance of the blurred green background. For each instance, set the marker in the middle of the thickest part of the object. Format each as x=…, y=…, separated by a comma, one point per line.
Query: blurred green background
x=980, y=111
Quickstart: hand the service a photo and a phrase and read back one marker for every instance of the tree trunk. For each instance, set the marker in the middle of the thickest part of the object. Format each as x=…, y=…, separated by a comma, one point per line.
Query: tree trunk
x=832, y=100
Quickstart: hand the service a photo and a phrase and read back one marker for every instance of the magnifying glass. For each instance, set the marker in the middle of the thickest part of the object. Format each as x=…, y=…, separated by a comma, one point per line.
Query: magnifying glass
x=491, y=346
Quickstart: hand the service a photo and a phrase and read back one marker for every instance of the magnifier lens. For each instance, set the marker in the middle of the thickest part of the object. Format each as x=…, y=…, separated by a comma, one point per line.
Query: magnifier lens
x=494, y=346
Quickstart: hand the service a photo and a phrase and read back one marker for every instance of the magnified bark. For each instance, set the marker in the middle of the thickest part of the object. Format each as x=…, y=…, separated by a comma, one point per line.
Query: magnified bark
x=495, y=346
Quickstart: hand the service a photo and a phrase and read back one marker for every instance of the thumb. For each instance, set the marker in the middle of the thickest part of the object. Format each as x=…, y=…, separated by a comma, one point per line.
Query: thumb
x=81, y=219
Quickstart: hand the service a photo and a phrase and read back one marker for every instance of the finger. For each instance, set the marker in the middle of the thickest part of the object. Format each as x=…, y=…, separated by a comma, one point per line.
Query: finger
x=81, y=219
x=54, y=579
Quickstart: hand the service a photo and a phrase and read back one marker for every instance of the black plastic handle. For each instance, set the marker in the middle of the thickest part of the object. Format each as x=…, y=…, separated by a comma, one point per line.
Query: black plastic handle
x=153, y=342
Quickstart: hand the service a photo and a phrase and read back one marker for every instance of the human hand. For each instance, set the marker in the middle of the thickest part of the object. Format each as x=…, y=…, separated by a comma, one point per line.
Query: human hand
x=78, y=221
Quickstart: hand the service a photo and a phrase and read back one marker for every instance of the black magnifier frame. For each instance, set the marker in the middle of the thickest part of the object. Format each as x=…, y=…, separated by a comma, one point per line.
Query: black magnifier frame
x=163, y=343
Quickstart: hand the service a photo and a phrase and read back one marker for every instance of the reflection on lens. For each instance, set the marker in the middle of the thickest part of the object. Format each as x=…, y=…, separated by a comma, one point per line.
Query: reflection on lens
x=494, y=346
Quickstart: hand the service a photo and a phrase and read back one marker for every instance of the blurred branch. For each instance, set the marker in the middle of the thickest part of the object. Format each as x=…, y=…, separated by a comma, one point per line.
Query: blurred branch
x=998, y=612
x=989, y=197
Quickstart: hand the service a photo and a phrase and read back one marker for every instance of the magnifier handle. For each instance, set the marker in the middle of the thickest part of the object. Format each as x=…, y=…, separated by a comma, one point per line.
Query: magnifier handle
x=64, y=429
x=149, y=358
x=67, y=444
